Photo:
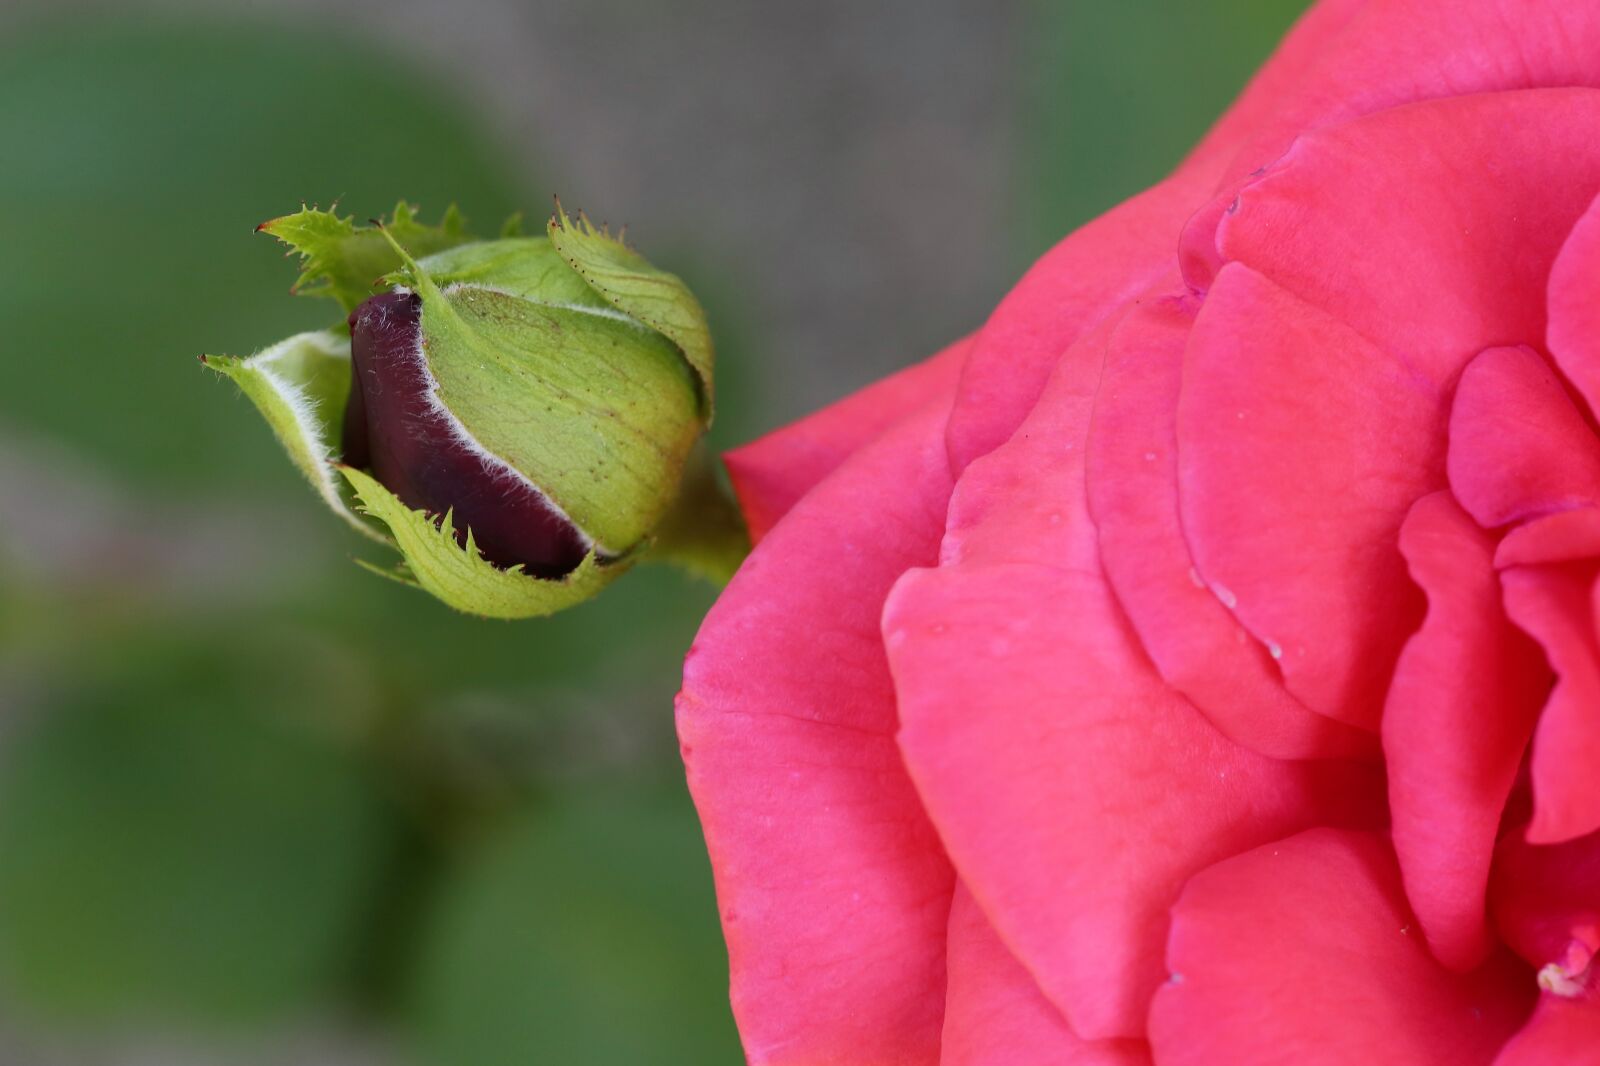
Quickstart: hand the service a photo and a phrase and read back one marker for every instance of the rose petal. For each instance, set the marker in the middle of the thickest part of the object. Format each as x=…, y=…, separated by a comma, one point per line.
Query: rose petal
x=1197, y=644
x=1093, y=271
x=833, y=888
x=1303, y=951
x=1300, y=449
x=1075, y=791
x=1066, y=294
x=1518, y=446
x=1372, y=222
x=1556, y=605
x=1547, y=898
x=1199, y=258
x=1564, y=1031
x=996, y=1016
x=1462, y=705
x=1107, y=262
x=1574, y=332
x=1394, y=52
x=1565, y=536
x=772, y=473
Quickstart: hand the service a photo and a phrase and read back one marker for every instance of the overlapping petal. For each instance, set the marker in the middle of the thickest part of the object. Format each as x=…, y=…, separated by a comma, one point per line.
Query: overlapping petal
x=1178, y=556
x=1457, y=721
x=833, y=889
x=1562, y=537
x=1381, y=54
x=1561, y=1031
x=1556, y=604
x=1075, y=791
x=772, y=473
x=1547, y=906
x=1518, y=446
x=1197, y=644
x=995, y=1014
x=1301, y=446
x=1096, y=269
x=1547, y=899
x=1473, y=197
x=1574, y=329
x=1064, y=297
x=1303, y=951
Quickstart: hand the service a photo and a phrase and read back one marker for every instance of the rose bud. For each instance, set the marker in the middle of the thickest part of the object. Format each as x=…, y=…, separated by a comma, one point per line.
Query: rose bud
x=515, y=416
x=420, y=453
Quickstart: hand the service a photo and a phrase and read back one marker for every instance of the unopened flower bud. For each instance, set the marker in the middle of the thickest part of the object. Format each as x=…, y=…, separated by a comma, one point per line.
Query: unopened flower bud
x=517, y=414
x=416, y=450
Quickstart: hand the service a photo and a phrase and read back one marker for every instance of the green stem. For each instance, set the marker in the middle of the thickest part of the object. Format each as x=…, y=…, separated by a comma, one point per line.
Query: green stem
x=704, y=532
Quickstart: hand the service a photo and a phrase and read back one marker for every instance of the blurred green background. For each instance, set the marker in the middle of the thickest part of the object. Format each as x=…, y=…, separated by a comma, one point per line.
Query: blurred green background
x=259, y=807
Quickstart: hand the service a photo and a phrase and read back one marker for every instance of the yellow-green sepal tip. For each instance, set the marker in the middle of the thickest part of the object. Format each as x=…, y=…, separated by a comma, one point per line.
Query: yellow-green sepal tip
x=300, y=386
x=461, y=577
x=342, y=260
x=643, y=292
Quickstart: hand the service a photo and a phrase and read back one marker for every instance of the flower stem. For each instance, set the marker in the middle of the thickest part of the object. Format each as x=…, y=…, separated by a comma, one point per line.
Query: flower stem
x=704, y=532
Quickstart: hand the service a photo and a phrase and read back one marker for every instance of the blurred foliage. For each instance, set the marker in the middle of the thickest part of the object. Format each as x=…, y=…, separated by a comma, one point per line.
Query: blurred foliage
x=245, y=786
x=173, y=847
x=551, y=924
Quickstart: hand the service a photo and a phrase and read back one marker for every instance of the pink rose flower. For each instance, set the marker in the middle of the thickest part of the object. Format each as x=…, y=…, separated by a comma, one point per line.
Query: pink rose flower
x=1199, y=664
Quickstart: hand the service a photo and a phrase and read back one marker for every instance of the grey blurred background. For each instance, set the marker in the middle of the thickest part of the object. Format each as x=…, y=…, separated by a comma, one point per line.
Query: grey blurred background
x=259, y=808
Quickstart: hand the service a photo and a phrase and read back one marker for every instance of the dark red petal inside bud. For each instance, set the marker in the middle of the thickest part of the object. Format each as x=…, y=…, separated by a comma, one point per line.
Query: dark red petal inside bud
x=393, y=429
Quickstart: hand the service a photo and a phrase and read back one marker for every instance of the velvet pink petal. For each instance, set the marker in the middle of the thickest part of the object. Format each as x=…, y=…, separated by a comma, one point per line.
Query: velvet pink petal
x=1460, y=710
x=1097, y=268
x=1518, y=446
x=1075, y=791
x=1566, y=536
x=1394, y=52
x=1300, y=448
x=1429, y=229
x=1546, y=902
x=1555, y=604
x=833, y=888
x=772, y=473
x=1341, y=63
x=1547, y=906
x=996, y=1016
x=1562, y=1032
x=1196, y=643
x=1302, y=951
x=1199, y=258
x=1574, y=332
x=1066, y=294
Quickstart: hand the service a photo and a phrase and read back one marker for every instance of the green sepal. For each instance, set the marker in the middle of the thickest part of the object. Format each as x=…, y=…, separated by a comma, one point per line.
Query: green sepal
x=300, y=386
x=526, y=267
x=461, y=577
x=344, y=261
x=594, y=408
x=641, y=291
